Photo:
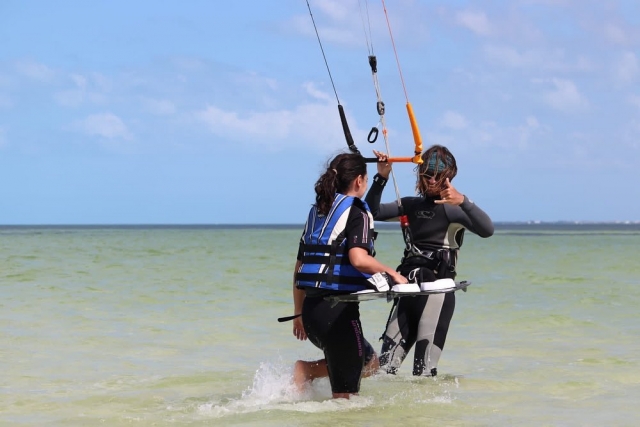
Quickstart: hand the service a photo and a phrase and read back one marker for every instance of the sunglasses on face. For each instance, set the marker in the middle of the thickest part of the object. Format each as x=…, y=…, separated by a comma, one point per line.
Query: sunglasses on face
x=429, y=175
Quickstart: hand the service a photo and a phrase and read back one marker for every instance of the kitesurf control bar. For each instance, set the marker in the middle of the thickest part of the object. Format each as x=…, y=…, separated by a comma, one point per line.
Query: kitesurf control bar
x=354, y=149
x=391, y=160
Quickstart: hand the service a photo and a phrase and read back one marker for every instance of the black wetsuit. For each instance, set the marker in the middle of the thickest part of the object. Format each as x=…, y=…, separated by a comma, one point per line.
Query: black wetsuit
x=437, y=232
x=336, y=329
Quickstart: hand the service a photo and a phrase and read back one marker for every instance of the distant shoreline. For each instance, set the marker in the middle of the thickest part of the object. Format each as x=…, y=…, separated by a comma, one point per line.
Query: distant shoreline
x=501, y=225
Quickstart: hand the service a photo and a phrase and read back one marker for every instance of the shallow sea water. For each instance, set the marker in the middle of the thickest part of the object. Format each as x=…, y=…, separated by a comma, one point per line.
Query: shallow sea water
x=177, y=326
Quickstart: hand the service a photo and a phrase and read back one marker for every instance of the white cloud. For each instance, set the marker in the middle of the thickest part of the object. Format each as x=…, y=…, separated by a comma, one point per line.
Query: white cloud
x=474, y=21
x=160, y=107
x=85, y=89
x=79, y=80
x=547, y=2
x=524, y=133
x=564, y=96
x=538, y=59
x=315, y=125
x=614, y=34
x=253, y=79
x=69, y=98
x=513, y=138
x=508, y=137
x=532, y=122
x=76, y=95
x=35, y=71
x=105, y=125
x=343, y=23
x=627, y=68
x=510, y=56
x=336, y=9
x=453, y=120
x=315, y=92
x=337, y=22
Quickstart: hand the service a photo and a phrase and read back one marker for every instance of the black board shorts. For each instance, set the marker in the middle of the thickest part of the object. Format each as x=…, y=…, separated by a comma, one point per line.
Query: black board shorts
x=337, y=331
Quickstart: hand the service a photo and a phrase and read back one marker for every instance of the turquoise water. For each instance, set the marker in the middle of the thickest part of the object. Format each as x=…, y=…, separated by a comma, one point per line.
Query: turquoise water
x=177, y=326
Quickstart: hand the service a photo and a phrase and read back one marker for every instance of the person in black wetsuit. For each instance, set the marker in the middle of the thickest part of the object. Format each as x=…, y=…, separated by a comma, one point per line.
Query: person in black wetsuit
x=336, y=256
x=438, y=217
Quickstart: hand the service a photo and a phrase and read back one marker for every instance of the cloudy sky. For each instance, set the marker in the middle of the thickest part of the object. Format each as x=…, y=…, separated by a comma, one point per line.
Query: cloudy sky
x=216, y=112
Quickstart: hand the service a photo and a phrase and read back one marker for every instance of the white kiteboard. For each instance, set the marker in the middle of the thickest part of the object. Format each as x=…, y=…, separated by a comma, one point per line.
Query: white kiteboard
x=403, y=290
x=440, y=286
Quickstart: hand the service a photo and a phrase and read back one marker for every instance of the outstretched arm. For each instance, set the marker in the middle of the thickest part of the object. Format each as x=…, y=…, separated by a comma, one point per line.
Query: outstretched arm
x=365, y=263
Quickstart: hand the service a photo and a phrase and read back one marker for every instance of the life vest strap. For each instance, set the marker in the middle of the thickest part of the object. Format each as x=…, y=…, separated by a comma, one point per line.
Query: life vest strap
x=342, y=280
x=308, y=248
x=324, y=259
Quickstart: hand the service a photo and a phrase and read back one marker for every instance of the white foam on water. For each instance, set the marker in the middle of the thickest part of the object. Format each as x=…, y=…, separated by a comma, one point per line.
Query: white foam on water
x=273, y=389
x=400, y=389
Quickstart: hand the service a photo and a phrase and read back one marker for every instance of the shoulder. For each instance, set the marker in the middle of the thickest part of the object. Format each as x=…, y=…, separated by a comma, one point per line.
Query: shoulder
x=360, y=214
x=360, y=204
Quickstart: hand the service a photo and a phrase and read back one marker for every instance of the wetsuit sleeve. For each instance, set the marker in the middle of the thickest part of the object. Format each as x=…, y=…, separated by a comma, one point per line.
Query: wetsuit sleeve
x=380, y=211
x=471, y=217
x=358, y=232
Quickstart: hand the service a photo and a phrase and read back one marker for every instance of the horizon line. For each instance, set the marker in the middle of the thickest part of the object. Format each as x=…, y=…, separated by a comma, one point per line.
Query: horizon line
x=253, y=225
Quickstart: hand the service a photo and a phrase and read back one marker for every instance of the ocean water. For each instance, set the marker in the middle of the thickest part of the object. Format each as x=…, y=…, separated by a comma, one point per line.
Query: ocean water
x=159, y=326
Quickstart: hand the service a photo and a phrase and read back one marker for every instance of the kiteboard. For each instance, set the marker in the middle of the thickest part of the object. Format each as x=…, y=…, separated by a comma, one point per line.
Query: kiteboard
x=404, y=290
x=441, y=286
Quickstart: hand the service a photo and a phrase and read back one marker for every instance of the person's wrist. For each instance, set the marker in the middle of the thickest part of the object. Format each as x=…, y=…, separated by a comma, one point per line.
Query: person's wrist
x=380, y=179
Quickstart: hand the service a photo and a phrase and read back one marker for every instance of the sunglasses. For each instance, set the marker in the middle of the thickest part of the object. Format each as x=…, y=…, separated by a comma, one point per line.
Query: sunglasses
x=430, y=175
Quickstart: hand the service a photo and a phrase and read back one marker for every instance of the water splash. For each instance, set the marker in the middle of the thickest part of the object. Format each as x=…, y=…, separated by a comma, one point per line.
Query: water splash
x=273, y=389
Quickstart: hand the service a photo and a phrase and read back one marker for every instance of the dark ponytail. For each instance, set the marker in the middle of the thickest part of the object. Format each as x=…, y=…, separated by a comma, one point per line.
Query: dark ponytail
x=340, y=173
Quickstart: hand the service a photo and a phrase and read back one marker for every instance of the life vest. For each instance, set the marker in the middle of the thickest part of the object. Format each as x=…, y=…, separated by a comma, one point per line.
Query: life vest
x=325, y=261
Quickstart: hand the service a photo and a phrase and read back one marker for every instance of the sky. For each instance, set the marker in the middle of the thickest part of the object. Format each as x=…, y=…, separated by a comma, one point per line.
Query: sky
x=211, y=112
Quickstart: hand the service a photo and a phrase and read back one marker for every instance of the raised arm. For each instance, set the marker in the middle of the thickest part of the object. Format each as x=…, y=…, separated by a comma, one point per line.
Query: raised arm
x=380, y=211
x=384, y=211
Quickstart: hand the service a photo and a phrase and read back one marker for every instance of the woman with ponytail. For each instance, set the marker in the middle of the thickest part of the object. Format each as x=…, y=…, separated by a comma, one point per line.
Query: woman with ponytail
x=336, y=256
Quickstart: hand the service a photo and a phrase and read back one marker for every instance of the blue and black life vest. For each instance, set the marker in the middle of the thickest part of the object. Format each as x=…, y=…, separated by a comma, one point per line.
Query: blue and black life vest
x=325, y=261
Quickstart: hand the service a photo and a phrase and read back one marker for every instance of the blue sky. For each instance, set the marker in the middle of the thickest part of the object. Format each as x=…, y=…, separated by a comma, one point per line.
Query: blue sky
x=222, y=112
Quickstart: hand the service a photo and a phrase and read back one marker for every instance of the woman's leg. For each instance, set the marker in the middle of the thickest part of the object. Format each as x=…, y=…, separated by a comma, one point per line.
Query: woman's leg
x=432, y=332
x=306, y=371
x=399, y=336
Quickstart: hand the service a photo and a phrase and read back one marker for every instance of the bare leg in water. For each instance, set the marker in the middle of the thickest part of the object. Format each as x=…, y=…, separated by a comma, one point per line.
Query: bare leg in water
x=305, y=372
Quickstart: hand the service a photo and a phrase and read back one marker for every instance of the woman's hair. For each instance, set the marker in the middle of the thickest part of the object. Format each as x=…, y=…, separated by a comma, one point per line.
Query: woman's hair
x=438, y=162
x=340, y=173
